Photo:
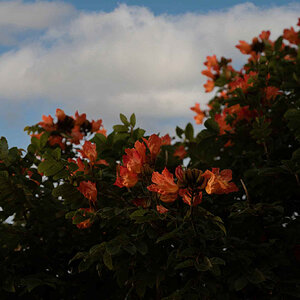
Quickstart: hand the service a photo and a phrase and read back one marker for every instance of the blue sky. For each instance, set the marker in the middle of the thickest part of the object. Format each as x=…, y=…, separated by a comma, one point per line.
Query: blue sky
x=169, y=6
x=107, y=57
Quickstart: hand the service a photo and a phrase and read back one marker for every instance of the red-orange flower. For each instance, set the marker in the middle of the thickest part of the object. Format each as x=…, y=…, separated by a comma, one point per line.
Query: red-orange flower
x=60, y=114
x=180, y=152
x=208, y=73
x=89, y=151
x=57, y=140
x=153, y=143
x=135, y=157
x=265, y=35
x=79, y=119
x=47, y=123
x=80, y=164
x=188, y=199
x=166, y=140
x=86, y=223
x=76, y=135
x=143, y=202
x=102, y=131
x=220, y=119
x=96, y=125
x=164, y=184
x=209, y=86
x=218, y=182
x=161, y=209
x=271, y=92
x=244, y=47
x=291, y=35
x=212, y=62
x=88, y=190
x=125, y=178
x=200, y=114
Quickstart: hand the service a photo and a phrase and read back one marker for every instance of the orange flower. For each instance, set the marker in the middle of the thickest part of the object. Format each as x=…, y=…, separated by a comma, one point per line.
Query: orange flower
x=218, y=183
x=209, y=86
x=291, y=35
x=96, y=125
x=102, y=162
x=161, y=209
x=37, y=135
x=89, y=151
x=244, y=47
x=86, y=223
x=57, y=140
x=164, y=184
x=47, y=123
x=76, y=135
x=265, y=35
x=180, y=152
x=220, y=119
x=153, y=143
x=211, y=61
x=125, y=178
x=102, y=131
x=60, y=114
x=229, y=144
x=135, y=157
x=79, y=119
x=88, y=190
x=200, y=114
x=208, y=73
x=80, y=164
x=143, y=202
x=271, y=92
x=187, y=197
x=166, y=140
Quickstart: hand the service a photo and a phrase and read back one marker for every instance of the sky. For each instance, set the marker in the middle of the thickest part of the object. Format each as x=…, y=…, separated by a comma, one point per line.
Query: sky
x=109, y=57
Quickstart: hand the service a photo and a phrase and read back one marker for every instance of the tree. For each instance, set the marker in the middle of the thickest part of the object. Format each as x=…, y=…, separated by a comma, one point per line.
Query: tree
x=118, y=216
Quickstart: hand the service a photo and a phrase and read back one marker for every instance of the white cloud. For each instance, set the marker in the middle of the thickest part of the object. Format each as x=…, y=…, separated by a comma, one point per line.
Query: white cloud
x=129, y=60
x=17, y=17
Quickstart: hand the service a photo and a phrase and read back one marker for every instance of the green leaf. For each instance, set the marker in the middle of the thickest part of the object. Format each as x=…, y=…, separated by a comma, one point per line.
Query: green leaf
x=179, y=131
x=256, y=277
x=132, y=120
x=120, y=128
x=185, y=264
x=212, y=125
x=50, y=167
x=141, y=247
x=168, y=235
x=113, y=247
x=78, y=255
x=3, y=148
x=130, y=248
x=189, y=132
x=293, y=118
x=124, y=120
x=296, y=155
x=240, y=283
x=44, y=139
x=138, y=213
x=107, y=260
x=217, y=261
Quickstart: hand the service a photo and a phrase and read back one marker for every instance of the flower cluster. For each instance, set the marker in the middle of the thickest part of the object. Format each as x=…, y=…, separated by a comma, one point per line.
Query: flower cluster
x=137, y=162
x=232, y=82
x=68, y=128
x=190, y=184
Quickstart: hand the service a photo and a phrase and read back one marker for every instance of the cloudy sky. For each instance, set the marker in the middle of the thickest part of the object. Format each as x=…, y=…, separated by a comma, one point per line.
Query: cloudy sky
x=106, y=57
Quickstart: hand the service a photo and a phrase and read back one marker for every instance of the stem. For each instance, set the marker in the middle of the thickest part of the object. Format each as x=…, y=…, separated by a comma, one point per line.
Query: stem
x=297, y=179
x=246, y=191
x=266, y=150
x=192, y=215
